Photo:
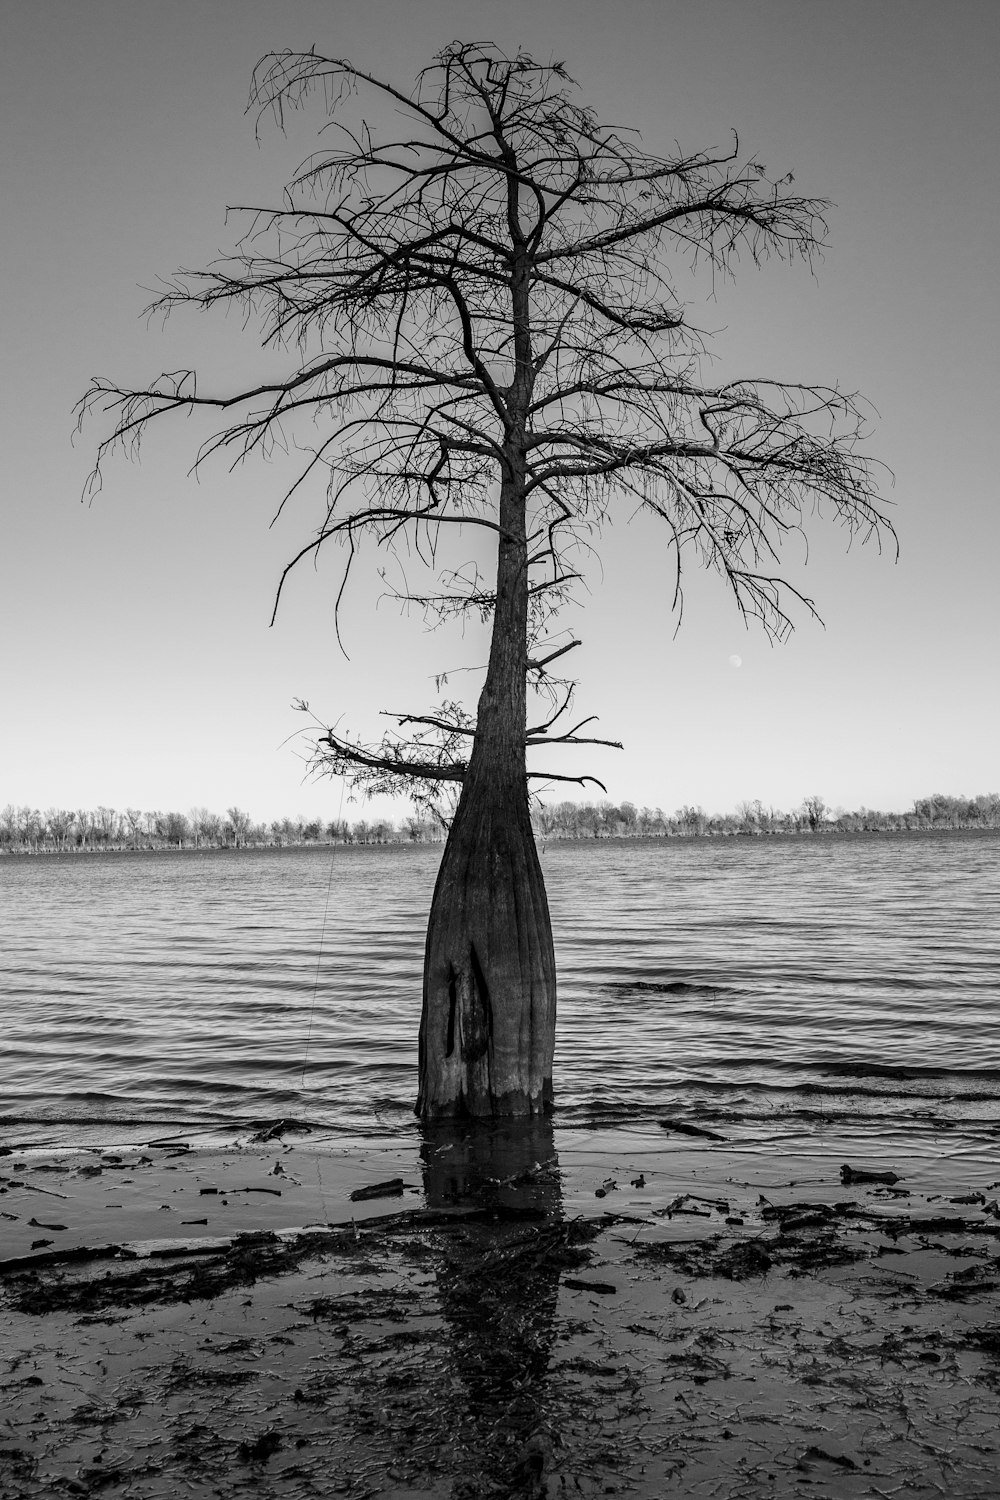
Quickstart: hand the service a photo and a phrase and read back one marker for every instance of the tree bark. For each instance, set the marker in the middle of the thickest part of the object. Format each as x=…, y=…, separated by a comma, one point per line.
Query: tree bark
x=487, y=1032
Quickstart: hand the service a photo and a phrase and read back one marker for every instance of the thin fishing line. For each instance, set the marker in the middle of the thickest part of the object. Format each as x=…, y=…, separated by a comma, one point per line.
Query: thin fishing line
x=322, y=940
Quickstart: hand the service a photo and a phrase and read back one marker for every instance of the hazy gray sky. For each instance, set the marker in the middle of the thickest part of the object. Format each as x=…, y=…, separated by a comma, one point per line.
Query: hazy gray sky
x=138, y=666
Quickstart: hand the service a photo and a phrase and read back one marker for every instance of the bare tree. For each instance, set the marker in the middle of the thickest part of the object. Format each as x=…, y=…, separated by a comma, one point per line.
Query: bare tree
x=107, y=824
x=211, y=825
x=58, y=820
x=814, y=810
x=8, y=824
x=85, y=826
x=133, y=820
x=471, y=297
x=30, y=826
x=175, y=828
x=238, y=824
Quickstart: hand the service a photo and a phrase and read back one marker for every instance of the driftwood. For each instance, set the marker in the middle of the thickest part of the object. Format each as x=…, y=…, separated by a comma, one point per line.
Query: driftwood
x=849, y=1175
x=393, y=1188
x=682, y=1127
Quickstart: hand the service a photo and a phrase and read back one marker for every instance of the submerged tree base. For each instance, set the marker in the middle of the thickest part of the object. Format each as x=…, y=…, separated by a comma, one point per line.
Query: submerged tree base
x=487, y=1033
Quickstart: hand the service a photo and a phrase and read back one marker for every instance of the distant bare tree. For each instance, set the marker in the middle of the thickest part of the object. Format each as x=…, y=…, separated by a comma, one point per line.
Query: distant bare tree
x=211, y=826
x=814, y=811
x=30, y=826
x=239, y=825
x=133, y=822
x=176, y=828
x=692, y=820
x=472, y=298
x=106, y=824
x=58, y=821
x=84, y=820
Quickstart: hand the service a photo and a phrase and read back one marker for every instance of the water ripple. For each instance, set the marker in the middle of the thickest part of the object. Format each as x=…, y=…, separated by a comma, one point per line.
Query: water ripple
x=193, y=987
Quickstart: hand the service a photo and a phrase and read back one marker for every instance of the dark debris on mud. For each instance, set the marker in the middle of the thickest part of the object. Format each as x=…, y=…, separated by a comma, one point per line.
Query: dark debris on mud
x=485, y=1350
x=440, y=1372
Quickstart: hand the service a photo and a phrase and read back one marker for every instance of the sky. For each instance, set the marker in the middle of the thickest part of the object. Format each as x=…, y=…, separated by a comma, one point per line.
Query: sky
x=139, y=666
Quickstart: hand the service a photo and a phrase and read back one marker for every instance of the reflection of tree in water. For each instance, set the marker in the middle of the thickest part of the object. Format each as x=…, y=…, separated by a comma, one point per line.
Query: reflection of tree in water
x=499, y=1283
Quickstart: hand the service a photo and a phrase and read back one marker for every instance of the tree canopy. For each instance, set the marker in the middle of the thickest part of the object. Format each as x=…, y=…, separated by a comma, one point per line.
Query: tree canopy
x=486, y=263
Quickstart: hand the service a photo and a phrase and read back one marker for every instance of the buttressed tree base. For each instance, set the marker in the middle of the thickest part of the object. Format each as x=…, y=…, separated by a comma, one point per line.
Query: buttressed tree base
x=472, y=280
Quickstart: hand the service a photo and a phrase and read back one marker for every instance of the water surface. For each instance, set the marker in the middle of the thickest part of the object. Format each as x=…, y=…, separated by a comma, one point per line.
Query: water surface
x=763, y=986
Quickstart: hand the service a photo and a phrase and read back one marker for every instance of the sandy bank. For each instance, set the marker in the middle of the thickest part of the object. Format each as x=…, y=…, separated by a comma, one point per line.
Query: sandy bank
x=230, y=1322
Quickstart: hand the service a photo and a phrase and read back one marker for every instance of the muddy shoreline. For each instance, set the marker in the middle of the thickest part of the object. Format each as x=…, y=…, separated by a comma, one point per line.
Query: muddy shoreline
x=499, y=1313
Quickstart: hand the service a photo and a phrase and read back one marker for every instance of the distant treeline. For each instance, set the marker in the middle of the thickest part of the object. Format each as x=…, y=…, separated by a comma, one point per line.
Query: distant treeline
x=25, y=830
x=584, y=820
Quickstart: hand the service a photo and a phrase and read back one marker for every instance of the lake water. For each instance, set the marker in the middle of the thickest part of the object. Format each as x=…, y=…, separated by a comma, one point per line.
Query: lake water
x=767, y=988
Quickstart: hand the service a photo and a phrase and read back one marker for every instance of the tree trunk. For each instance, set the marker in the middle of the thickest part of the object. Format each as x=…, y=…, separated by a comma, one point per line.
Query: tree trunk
x=487, y=1033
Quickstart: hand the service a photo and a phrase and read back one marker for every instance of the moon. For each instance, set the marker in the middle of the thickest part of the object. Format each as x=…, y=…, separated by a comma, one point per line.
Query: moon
x=736, y=661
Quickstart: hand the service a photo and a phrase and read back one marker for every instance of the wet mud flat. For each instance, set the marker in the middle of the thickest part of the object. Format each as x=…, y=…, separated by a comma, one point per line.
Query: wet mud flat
x=505, y=1321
